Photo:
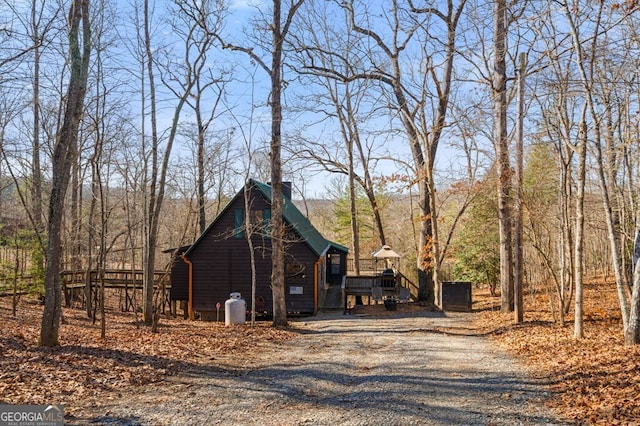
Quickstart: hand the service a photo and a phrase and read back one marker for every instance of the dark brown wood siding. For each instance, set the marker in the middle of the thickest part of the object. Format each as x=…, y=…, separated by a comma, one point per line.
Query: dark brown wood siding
x=221, y=265
x=179, y=280
x=300, y=253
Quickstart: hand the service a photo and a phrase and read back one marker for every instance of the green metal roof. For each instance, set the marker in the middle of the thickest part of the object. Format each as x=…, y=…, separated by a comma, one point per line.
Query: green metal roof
x=299, y=222
x=291, y=215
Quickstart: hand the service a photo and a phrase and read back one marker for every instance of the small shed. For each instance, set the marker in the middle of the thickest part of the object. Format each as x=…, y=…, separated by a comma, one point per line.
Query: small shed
x=219, y=262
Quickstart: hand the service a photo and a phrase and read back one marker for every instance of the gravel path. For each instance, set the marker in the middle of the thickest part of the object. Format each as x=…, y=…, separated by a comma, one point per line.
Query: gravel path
x=409, y=369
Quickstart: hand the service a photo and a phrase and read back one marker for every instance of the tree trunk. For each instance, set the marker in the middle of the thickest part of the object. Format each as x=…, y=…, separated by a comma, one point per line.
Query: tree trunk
x=578, y=331
x=611, y=231
x=149, y=237
x=632, y=330
x=566, y=235
x=248, y=228
x=502, y=156
x=435, y=242
x=158, y=179
x=518, y=284
x=36, y=171
x=277, y=226
x=63, y=157
x=202, y=218
x=586, y=64
x=355, y=234
x=278, y=34
x=426, y=290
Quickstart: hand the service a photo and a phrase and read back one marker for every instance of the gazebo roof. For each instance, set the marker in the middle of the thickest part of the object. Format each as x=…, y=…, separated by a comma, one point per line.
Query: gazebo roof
x=386, y=253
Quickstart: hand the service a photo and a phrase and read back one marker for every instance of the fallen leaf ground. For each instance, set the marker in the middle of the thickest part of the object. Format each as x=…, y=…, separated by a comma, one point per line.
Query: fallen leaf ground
x=595, y=380
x=86, y=367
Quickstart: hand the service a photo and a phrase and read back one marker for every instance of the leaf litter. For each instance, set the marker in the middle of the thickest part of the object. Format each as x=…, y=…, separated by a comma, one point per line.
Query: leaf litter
x=595, y=380
x=85, y=366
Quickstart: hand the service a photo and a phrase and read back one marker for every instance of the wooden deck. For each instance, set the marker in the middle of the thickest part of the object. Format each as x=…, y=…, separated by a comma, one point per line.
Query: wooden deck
x=125, y=282
x=379, y=287
x=113, y=278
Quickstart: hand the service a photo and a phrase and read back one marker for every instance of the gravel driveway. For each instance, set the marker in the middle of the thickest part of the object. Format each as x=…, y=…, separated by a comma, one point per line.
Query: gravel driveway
x=414, y=368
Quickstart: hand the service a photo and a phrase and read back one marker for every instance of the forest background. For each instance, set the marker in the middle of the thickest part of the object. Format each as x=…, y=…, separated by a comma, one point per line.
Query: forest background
x=407, y=117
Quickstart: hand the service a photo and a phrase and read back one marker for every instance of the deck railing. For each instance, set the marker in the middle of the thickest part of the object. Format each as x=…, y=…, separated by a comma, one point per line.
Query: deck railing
x=113, y=278
x=125, y=281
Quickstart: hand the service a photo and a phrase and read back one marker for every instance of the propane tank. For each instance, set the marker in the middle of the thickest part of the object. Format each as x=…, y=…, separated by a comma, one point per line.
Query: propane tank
x=235, y=310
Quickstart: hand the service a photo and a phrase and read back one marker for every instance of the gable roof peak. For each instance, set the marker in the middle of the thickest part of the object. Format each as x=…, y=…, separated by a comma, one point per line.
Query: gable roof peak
x=290, y=214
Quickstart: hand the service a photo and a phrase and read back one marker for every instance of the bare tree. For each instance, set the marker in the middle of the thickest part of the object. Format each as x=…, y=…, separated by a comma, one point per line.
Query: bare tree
x=348, y=102
x=39, y=31
x=156, y=184
x=562, y=113
x=420, y=100
x=585, y=69
x=279, y=27
x=502, y=153
x=104, y=113
x=180, y=78
x=593, y=32
x=63, y=156
x=27, y=32
x=197, y=24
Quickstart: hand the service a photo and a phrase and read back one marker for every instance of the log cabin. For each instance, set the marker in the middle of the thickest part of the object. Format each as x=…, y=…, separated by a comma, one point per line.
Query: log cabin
x=218, y=263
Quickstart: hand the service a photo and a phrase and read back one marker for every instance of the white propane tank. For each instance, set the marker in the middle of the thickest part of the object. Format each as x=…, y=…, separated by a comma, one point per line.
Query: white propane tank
x=235, y=310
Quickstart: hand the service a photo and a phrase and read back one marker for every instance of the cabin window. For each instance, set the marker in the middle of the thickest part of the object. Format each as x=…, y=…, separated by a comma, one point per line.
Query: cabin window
x=257, y=219
x=238, y=223
x=260, y=222
x=266, y=215
x=334, y=259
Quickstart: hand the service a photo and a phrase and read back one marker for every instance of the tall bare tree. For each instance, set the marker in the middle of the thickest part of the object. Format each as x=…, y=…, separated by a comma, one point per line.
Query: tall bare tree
x=563, y=114
x=151, y=202
x=279, y=27
x=197, y=24
x=518, y=284
x=586, y=71
x=501, y=142
x=179, y=77
x=40, y=27
x=345, y=100
x=419, y=99
x=63, y=156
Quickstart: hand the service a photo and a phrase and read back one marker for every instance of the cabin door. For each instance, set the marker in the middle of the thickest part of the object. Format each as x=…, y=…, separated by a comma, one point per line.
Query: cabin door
x=335, y=268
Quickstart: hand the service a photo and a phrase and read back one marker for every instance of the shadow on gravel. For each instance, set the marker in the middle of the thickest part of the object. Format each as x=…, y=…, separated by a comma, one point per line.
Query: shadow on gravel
x=391, y=392
x=458, y=328
x=427, y=394
x=117, y=421
x=339, y=324
x=423, y=313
